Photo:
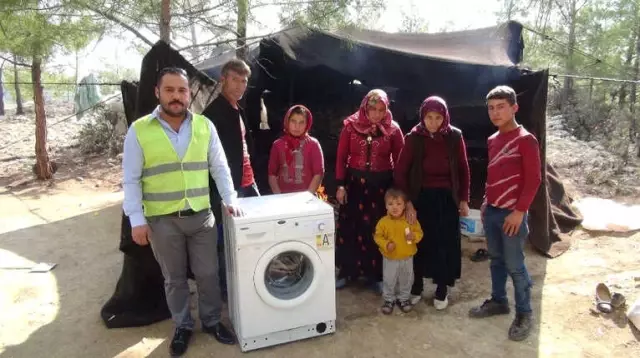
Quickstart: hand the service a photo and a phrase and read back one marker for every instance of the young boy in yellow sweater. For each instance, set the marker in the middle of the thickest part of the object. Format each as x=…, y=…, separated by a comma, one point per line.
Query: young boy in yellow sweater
x=397, y=242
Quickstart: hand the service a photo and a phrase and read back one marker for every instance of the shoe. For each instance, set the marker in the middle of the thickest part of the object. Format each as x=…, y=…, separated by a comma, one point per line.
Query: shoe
x=180, y=342
x=387, y=307
x=341, y=283
x=220, y=333
x=415, y=299
x=440, y=305
x=521, y=326
x=405, y=306
x=489, y=308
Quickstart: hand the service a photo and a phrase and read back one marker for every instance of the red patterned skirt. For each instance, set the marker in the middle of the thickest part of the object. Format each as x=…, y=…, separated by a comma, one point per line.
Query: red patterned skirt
x=357, y=255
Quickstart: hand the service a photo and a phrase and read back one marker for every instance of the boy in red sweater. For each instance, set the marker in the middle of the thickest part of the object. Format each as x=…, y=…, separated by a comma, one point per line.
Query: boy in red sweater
x=513, y=178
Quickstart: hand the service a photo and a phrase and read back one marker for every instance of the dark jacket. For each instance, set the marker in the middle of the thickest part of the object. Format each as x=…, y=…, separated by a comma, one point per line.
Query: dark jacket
x=416, y=143
x=225, y=119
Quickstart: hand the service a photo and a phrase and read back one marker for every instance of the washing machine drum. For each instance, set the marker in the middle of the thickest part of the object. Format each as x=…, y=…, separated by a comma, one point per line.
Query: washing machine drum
x=287, y=274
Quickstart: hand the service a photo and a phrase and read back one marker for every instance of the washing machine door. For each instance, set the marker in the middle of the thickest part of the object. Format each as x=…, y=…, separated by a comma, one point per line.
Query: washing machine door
x=288, y=274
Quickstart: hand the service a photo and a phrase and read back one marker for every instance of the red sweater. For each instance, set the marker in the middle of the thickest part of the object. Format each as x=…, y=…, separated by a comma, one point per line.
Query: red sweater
x=308, y=163
x=352, y=151
x=514, y=172
x=436, y=171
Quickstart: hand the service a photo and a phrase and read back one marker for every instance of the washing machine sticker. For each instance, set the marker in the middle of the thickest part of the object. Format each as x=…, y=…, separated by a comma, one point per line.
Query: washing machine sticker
x=288, y=274
x=324, y=241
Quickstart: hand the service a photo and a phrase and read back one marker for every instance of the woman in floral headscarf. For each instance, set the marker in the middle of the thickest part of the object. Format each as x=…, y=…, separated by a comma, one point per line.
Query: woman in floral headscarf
x=434, y=171
x=368, y=148
x=296, y=162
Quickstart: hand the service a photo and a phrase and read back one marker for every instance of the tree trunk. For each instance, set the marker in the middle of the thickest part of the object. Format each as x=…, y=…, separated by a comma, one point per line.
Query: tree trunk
x=567, y=89
x=634, y=93
x=43, y=168
x=510, y=9
x=631, y=47
x=1, y=92
x=19, y=109
x=165, y=21
x=243, y=14
x=77, y=65
x=195, y=51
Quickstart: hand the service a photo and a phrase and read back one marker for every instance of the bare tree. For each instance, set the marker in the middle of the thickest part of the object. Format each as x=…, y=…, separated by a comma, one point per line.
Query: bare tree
x=19, y=109
x=165, y=21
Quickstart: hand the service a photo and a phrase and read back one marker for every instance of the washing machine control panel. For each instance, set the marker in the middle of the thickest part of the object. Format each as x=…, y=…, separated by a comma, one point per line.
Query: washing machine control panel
x=304, y=227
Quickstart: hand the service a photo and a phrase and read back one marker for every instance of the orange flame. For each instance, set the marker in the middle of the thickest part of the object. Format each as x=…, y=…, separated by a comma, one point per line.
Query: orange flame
x=321, y=194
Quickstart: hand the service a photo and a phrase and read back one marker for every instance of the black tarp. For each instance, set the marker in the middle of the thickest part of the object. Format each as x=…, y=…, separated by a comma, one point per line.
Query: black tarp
x=329, y=72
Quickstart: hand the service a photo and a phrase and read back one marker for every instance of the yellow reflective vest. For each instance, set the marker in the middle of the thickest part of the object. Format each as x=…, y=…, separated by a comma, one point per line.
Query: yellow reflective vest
x=167, y=182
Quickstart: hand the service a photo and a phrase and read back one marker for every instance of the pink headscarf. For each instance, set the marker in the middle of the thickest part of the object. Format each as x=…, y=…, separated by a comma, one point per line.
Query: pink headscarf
x=438, y=105
x=359, y=120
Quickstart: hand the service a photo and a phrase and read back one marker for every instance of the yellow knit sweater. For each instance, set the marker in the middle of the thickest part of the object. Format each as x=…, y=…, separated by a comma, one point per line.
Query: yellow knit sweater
x=392, y=229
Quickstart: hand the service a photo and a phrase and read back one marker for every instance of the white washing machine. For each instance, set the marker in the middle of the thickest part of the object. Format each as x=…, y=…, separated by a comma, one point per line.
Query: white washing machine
x=280, y=269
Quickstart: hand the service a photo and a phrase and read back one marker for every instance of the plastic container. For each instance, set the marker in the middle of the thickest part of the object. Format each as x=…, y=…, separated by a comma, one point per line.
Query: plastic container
x=472, y=225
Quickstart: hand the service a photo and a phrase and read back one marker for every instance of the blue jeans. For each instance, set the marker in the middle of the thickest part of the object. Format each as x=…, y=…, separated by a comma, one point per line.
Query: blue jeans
x=507, y=258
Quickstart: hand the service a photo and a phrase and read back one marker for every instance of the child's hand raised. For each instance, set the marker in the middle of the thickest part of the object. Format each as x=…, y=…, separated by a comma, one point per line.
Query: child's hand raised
x=391, y=246
x=410, y=238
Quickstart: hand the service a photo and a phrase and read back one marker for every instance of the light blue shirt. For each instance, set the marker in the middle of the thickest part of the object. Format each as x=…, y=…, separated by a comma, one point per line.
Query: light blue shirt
x=133, y=162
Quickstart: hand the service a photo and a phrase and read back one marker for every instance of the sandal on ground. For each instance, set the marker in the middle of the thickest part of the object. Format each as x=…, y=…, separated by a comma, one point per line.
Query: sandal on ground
x=618, y=300
x=480, y=255
x=603, y=298
x=405, y=306
x=387, y=307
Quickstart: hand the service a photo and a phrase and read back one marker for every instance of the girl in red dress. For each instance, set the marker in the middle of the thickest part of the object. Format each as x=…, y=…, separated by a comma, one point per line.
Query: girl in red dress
x=296, y=162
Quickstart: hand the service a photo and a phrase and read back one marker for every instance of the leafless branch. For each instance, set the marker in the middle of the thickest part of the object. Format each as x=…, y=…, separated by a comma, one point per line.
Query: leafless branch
x=55, y=7
x=205, y=10
x=233, y=40
x=310, y=2
x=560, y=7
x=22, y=64
x=221, y=27
x=115, y=19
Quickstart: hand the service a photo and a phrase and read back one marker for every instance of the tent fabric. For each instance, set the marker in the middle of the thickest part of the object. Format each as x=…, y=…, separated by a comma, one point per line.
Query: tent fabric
x=495, y=46
x=318, y=69
x=87, y=95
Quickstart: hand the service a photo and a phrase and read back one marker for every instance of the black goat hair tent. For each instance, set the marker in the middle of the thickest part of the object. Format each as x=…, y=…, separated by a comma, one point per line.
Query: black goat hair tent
x=329, y=72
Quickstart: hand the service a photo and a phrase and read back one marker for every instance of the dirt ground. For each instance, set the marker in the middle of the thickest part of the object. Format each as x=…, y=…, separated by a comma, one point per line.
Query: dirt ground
x=74, y=221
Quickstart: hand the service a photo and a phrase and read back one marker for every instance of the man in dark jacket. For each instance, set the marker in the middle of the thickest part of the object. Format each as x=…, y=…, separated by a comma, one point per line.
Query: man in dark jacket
x=231, y=122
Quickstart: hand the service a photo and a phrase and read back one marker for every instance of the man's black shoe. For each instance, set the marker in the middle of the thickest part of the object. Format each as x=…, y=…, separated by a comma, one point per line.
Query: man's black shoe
x=221, y=333
x=180, y=342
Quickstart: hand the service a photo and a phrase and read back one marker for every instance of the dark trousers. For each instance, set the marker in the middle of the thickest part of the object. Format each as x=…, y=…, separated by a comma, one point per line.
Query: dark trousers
x=245, y=192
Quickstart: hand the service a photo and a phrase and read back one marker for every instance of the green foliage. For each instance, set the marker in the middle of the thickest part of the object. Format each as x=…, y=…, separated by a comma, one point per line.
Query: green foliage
x=412, y=21
x=38, y=32
x=332, y=14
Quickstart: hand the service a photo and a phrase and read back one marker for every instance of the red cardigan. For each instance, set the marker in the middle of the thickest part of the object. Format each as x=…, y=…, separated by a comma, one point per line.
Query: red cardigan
x=352, y=151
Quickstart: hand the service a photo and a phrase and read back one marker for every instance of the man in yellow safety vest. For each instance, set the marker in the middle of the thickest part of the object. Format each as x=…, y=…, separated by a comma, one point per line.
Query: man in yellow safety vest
x=167, y=158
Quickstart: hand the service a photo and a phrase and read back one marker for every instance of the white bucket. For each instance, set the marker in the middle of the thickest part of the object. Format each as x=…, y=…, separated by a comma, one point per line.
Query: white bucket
x=472, y=225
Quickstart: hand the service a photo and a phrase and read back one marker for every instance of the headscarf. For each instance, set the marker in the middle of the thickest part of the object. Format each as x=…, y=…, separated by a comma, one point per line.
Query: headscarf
x=293, y=143
x=438, y=105
x=361, y=123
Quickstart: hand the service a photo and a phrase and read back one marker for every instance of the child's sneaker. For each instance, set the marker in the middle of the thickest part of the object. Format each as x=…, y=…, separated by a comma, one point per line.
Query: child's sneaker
x=341, y=283
x=387, y=307
x=415, y=299
x=440, y=305
x=405, y=306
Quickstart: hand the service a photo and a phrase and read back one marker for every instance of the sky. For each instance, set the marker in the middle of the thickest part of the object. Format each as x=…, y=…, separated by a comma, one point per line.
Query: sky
x=111, y=52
